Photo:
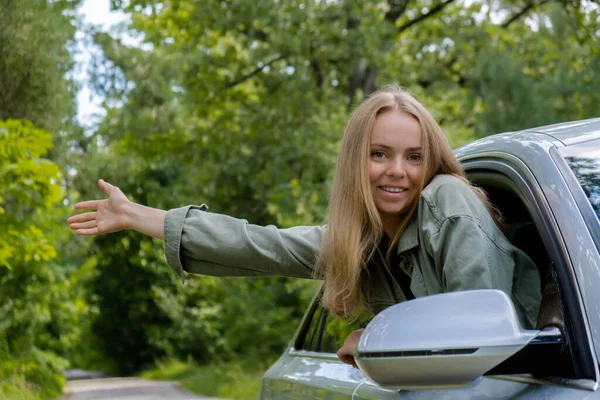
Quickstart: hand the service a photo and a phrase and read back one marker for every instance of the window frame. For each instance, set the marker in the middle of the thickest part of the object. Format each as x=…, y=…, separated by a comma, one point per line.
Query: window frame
x=296, y=350
x=529, y=191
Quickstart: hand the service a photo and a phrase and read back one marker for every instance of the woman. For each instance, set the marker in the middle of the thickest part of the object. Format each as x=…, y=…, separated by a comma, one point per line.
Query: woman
x=403, y=222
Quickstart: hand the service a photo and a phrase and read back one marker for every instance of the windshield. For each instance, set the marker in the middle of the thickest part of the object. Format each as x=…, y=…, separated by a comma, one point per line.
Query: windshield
x=585, y=164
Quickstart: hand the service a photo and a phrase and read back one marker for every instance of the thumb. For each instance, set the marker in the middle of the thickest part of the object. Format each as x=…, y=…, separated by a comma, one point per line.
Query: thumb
x=105, y=186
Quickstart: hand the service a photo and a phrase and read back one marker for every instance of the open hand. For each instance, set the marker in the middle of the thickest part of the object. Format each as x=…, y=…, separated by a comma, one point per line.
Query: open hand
x=109, y=215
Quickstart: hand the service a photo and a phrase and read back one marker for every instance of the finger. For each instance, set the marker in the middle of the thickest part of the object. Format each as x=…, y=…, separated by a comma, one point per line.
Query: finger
x=344, y=357
x=105, y=186
x=85, y=225
x=87, y=232
x=347, y=360
x=85, y=217
x=88, y=205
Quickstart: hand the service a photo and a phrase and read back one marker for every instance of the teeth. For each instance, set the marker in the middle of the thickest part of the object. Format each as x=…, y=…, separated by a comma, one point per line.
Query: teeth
x=393, y=190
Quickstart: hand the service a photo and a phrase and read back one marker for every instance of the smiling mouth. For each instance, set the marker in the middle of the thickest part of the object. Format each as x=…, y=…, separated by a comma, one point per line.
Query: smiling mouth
x=392, y=189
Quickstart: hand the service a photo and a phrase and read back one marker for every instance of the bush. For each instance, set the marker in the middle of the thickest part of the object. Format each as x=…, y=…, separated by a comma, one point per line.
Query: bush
x=37, y=321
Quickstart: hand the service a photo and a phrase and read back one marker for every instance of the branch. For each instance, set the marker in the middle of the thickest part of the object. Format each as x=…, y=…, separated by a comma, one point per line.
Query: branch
x=522, y=12
x=428, y=14
x=397, y=8
x=250, y=74
x=243, y=78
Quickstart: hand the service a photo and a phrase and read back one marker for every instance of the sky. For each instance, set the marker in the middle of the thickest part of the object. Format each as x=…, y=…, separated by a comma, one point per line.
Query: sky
x=96, y=12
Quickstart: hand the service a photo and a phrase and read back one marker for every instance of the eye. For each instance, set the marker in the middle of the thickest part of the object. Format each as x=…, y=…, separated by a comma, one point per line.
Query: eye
x=414, y=157
x=377, y=154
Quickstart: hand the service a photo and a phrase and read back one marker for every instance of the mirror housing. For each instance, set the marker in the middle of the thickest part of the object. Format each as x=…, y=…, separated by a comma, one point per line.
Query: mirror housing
x=442, y=341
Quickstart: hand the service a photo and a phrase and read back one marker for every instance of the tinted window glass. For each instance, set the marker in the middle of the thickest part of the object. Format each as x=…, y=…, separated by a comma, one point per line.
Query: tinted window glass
x=326, y=334
x=312, y=336
x=585, y=164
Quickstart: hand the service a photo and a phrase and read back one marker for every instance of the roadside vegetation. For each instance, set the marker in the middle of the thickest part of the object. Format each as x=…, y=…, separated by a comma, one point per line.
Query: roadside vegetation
x=236, y=380
x=239, y=105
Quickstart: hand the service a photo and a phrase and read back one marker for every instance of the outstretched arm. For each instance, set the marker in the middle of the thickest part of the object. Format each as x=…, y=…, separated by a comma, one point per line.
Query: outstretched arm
x=115, y=214
x=205, y=243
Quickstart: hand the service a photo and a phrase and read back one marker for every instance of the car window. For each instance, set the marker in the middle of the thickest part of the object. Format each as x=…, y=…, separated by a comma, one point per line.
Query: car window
x=525, y=227
x=324, y=333
x=585, y=164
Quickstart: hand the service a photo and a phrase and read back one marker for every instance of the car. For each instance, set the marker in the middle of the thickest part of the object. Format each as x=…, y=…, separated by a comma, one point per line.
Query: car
x=546, y=182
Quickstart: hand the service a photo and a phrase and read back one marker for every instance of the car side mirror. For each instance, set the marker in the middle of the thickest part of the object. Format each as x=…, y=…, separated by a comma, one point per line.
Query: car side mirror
x=441, y=341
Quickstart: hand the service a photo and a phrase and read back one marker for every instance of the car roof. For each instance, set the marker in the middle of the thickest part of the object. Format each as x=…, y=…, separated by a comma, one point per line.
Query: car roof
x=528, y=143
x=570, y=133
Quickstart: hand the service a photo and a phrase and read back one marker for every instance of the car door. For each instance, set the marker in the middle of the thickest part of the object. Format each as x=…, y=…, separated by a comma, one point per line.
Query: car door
x=310, y=369
x=564, y=367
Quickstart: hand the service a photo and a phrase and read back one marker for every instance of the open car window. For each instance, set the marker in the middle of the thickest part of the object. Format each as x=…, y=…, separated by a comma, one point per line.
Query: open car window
x=549, y=355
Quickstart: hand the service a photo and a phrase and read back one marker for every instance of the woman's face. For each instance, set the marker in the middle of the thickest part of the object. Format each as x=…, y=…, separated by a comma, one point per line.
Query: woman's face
x=395, y=165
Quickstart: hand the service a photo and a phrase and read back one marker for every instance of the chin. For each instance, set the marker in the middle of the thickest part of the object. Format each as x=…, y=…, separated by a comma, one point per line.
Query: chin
x=395, y=211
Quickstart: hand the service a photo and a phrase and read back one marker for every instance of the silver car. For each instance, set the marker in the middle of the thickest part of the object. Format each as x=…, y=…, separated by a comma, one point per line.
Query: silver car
x=546, y=182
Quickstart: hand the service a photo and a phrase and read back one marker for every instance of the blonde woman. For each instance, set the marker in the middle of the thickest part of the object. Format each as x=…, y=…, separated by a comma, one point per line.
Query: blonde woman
x=403, y=222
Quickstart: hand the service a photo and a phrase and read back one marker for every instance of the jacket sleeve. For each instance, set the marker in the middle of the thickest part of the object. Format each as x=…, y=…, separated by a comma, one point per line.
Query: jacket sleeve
x=206, y=243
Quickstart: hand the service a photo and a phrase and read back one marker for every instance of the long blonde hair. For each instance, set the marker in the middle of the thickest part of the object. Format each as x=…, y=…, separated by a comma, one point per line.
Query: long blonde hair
x=354, y=226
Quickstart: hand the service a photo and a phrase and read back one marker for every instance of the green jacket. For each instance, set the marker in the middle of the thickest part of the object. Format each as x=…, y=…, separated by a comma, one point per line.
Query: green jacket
x=451, y=244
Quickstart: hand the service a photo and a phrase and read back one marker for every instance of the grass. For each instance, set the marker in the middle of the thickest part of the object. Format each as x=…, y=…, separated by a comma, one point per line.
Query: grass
x=233, y=380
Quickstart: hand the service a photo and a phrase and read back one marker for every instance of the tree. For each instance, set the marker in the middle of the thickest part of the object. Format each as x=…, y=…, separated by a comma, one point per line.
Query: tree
x=34, y=59
x=42, y=301
x=241, y=105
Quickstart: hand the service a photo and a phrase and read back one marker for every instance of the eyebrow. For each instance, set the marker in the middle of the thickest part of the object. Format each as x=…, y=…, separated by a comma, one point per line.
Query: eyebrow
x=380, y=145
x=418, y=148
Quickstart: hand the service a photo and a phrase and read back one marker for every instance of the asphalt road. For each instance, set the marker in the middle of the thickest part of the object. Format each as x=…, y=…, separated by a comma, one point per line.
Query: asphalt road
x=126, y=389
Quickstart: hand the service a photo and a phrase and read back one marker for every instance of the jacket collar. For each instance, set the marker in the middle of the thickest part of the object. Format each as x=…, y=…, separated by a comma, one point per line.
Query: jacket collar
x=410, y=238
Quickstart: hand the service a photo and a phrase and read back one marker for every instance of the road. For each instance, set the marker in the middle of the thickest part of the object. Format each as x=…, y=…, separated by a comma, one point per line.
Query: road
x=126, y=389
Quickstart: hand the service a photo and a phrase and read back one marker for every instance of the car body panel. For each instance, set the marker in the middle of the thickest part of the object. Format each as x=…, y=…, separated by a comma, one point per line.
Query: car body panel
x=307, y=375
x=303, y=376
x=572, y=132
x=484, y=388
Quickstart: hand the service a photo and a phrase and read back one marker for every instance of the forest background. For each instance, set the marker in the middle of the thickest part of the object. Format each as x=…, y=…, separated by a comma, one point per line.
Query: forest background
x=241, y=105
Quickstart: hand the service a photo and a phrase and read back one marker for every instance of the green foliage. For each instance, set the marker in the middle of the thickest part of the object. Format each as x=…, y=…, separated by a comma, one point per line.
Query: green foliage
x=130, y=322
x=339, y=329
x=238, y=380
x=43, y=300
x=29, y=190
x=34, y=60
x=241, y=105
x=145, y=313
x=17, y=388
x=216, y=319
x=28, y=184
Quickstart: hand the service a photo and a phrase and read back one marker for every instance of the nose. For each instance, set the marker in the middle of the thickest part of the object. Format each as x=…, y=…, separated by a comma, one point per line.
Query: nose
x=397, y=167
